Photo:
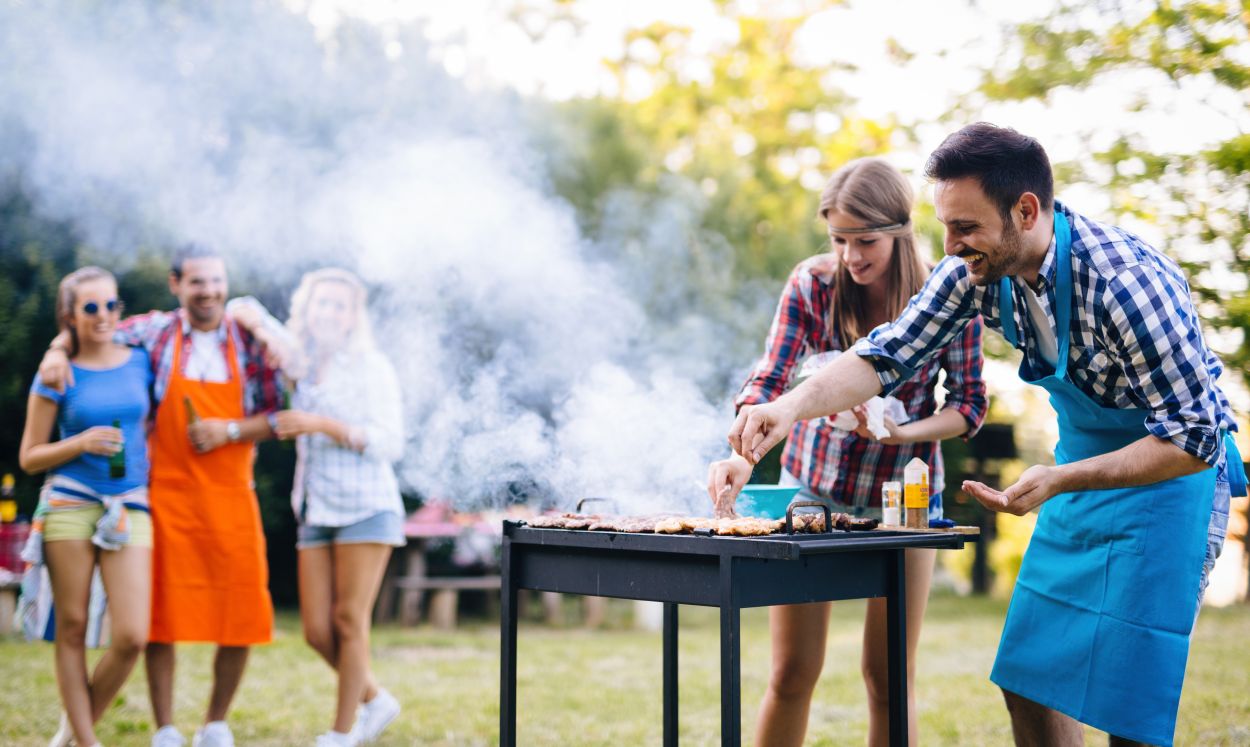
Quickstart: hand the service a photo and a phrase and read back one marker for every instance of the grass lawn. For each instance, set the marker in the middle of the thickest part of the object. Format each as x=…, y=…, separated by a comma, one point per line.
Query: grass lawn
x=602, y=687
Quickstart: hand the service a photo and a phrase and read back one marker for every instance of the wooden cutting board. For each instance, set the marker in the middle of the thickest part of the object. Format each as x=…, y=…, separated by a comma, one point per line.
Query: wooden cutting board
x=947, y=530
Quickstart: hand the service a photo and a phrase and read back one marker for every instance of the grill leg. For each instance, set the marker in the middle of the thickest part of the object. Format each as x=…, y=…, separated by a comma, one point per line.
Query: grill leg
x=507, y=659
x=896, y=631
x=670, y=674
x=730, y=672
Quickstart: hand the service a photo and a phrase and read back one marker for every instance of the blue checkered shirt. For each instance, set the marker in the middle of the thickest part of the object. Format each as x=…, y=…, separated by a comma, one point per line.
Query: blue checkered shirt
x=1136, y=339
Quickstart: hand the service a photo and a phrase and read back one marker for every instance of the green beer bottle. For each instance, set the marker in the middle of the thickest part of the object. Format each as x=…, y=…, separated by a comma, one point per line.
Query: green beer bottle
x=117, y=462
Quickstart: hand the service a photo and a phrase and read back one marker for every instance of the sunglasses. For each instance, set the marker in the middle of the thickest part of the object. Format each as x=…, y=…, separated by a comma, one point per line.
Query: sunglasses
x=91, y=308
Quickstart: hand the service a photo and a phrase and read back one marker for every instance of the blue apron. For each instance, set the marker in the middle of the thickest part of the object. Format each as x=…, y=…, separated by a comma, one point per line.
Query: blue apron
x=1099, y=622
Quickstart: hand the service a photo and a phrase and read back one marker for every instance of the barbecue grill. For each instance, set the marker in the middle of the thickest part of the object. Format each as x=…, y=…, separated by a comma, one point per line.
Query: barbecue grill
x=714, y=571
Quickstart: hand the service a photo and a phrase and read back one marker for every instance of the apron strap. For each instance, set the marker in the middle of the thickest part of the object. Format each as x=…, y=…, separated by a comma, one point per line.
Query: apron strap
x=1006, y=314
x=1063, y=298
x=1063, y=292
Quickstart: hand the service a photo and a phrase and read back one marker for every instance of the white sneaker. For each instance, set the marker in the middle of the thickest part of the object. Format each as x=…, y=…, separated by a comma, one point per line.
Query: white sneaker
x=168, y=736
x=374, y=716
x=213, y=734
x=64, y=733
x=337, y=739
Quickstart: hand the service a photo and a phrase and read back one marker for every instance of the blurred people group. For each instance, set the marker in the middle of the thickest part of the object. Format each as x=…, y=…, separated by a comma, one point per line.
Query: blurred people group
x=146, y=427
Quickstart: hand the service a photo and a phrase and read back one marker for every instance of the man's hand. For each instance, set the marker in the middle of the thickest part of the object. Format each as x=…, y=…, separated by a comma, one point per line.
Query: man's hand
x=1037, y=485
x=55, y=371
x=724, y=481
x=208, y=434
x=100, y=439
x=279, y=355
x=292, y=423
x=759, y=428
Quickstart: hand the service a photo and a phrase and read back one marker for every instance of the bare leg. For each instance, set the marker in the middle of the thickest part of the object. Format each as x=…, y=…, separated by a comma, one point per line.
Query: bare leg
x=158, y=659
x=127, y=575
x=358, y=570
x=316, y=607
x=228, y=666
x=876, y=651
x=1035, y=725
x=799, y=632
x=70, y=564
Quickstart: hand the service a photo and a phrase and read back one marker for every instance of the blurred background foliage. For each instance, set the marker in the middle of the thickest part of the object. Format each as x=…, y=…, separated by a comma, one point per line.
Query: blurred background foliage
x=746, y=132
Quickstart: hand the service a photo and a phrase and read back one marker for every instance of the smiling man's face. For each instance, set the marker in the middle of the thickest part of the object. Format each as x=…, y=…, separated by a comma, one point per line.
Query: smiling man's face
x=201, y=290
x=976, y=232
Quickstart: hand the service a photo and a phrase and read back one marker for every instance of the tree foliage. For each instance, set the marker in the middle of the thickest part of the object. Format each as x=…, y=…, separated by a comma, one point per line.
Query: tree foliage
x=1200, y=199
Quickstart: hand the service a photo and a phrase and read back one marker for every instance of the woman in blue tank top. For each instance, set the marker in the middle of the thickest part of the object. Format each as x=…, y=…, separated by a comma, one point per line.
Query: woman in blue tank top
x=93, y=507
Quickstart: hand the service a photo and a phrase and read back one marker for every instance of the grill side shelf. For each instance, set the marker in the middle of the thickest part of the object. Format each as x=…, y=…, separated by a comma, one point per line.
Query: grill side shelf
x=856, y=541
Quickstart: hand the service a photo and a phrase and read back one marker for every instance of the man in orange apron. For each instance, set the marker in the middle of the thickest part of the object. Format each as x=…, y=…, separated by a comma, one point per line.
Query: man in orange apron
x=214, y=393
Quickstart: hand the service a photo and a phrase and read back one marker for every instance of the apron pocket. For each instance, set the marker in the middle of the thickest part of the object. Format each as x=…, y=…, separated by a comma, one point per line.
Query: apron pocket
x=1081, y=519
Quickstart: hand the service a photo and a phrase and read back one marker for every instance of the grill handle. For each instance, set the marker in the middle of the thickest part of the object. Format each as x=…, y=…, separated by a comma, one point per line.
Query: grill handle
x=616, y=509
x=808, y=504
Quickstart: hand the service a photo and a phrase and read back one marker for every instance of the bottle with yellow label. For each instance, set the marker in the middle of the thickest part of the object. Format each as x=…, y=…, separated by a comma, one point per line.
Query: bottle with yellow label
x=916, y=494
x=8, y=501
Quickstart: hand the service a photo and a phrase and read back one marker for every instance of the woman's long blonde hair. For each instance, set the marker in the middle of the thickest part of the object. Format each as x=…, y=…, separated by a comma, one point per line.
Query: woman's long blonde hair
x=876, y=194
x=67, y=299
x=359, y=338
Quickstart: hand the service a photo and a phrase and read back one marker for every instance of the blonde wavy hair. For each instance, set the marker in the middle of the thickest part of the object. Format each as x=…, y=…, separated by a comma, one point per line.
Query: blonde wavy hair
x=359, y=337
x=876, y=194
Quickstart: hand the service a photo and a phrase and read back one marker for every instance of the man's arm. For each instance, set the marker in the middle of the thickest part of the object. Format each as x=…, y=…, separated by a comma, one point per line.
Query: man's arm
x=846, y=382
x=213, y=433
x=888, y=356
x=1145, y=461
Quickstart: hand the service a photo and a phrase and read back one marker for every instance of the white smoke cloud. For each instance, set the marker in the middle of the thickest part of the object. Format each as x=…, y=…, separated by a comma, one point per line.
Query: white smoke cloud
x=528, y=354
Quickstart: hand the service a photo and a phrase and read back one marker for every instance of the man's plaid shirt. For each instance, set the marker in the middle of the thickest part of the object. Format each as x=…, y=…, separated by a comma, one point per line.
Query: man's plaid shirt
x=154, y=332
x=841, y=465
x=1136, y=337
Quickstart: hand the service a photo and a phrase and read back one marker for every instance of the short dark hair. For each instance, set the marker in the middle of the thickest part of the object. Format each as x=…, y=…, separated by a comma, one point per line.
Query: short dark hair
x=190, y=251
x=1005, y=163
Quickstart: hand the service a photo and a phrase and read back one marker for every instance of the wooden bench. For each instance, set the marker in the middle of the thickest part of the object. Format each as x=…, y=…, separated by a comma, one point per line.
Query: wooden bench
x=444, y=596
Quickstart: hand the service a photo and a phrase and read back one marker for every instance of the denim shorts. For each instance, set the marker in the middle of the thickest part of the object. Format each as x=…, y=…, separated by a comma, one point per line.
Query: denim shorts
x=867, y=512
x=1217, y=529
x=386, y=528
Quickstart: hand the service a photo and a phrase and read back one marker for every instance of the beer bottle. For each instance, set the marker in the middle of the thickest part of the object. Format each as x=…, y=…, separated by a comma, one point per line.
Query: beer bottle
x=8, y=502
x=117, y=461
x=192, y=415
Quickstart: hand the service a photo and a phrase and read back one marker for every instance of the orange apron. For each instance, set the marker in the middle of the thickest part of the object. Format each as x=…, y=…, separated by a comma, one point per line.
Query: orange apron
x=209, y=573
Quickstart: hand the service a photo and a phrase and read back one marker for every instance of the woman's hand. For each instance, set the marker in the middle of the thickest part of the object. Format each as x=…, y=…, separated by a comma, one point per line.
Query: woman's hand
x=292, y=423
x=100, y=439
x=898, y=433
x=725, y=479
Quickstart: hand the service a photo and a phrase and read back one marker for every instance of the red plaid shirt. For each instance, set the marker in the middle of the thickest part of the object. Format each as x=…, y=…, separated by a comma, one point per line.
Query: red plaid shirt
x=836, y=464
x=154, y=332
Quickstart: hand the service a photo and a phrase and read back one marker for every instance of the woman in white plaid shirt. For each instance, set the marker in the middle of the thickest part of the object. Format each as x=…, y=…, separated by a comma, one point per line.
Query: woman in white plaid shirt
x=346, y=418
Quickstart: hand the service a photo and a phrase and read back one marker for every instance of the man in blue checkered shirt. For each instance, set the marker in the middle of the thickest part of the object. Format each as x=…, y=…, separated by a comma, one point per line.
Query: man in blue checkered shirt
x=1134, y=512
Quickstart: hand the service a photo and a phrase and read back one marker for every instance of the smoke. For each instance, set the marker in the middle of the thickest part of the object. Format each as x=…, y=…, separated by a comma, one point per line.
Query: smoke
x=532, y=358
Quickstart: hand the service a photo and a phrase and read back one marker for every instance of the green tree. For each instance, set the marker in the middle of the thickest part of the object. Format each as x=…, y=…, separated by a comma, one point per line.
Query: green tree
x=1200, y=199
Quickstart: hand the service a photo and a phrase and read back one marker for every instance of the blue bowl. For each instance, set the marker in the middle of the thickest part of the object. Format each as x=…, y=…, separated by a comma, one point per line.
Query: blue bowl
x=765, y=501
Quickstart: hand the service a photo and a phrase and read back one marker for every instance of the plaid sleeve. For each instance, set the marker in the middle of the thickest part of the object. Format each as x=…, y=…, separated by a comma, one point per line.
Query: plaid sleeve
x=785, y=344
x=932, y=318
x=1153, y=329
x=964, y=386
x=143, y=330
x=265, y=390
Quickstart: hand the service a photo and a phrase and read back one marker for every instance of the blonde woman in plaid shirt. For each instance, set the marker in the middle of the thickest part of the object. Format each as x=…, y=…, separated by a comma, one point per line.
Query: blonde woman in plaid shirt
x=346, y=418
x=830, y=302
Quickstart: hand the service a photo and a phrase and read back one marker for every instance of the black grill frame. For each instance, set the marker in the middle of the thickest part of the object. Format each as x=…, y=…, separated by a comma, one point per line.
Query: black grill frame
x=731, y=573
